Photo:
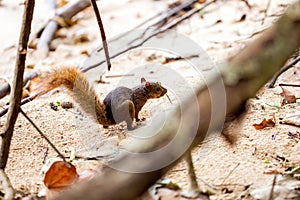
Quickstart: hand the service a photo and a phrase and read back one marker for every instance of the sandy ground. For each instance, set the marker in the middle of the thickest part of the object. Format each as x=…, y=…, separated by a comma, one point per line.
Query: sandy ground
x=219, y=31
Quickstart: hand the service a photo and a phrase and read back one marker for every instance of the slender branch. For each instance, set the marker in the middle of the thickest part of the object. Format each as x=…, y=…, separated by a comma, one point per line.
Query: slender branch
x=290, y=85
x=43, y=135
x=15, y=96
x=272, y=188
x=283, y=69
x=17, y=82
x=24, y=101
x=102, y=32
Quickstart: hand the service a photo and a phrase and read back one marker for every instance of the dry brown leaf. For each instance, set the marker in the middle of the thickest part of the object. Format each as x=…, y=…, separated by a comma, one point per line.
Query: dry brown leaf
x=60, y=175
x=288, y=96
x=265, y=123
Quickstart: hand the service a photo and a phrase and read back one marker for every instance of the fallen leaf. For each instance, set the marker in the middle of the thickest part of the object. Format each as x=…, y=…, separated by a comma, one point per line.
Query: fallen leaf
x=265, y=123
x=60, y=175
x=288, y=96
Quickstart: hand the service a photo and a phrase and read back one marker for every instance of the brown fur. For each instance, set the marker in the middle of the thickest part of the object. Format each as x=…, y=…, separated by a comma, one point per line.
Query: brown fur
x=121, y=104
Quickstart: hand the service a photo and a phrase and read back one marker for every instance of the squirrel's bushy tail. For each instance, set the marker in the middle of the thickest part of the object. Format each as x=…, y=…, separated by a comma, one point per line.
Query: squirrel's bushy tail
x=76, y=82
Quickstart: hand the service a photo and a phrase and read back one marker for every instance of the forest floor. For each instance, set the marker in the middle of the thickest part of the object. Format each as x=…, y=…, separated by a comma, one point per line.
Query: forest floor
x=243, y=171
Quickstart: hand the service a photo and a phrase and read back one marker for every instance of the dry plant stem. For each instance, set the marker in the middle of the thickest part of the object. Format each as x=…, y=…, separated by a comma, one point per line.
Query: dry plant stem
x=6, y=184
x=43, y=135
x=17, y=82
x=283, y=69
x=289, y=85
x=24, y=101
x=5, y=89
x=243, y=76
x=272, y=188
x=16, y=93
x=230, y=173
x=102, y=32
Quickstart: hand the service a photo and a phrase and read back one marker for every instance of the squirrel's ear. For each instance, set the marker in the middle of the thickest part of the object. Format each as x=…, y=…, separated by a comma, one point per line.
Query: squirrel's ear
x=143, y=80
x=147, y=84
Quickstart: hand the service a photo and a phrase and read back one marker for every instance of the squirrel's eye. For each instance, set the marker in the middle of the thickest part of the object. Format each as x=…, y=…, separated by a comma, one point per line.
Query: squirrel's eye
x=158, y=89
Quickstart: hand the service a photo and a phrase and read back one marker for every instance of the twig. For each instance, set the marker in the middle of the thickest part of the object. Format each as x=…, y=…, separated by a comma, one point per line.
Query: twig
x=283, y=69
x=118, y=75
x=17, y=82
x=15, y=96
x=287, y=84
x=272, y=189
x=230, y=173
x=24, y=101
x=43, y=135
x=7, y=186
x=102, y=32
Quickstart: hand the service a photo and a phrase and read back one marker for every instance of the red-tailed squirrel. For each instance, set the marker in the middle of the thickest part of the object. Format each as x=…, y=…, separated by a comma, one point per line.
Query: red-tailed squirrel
x=121, y=104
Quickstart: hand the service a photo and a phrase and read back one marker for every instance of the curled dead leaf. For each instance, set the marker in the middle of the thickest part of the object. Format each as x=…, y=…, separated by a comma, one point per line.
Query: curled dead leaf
x=265, y=123
x=288, y=96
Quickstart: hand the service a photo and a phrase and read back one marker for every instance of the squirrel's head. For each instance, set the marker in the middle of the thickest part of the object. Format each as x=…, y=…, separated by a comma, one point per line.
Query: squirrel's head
x=153, y=89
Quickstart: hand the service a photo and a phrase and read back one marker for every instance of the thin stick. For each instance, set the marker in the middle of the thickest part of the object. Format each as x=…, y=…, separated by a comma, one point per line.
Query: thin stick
x=16, y=95
x=24, y=101
x=118, y=75
x=283, y=69
x=272, y=189
x=290, y=85
x=102, y=32
x=230, y=173
x=44, y=136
